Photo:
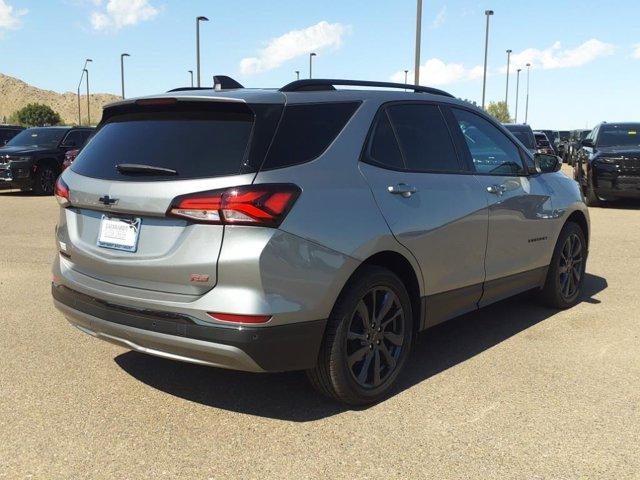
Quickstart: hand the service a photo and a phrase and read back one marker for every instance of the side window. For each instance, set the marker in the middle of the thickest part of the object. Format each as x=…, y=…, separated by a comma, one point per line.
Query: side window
x=84, y=138
x=424, y=138
x=73, y=139
x=383, y=147
x=305, y=132
x=491, y=151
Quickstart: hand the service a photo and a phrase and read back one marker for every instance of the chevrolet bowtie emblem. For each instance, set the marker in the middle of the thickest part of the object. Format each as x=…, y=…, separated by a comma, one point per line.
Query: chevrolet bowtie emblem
x=107, y=200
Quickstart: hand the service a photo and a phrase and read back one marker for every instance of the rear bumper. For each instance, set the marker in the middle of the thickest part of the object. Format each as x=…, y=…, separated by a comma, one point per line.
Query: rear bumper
x=180, y=337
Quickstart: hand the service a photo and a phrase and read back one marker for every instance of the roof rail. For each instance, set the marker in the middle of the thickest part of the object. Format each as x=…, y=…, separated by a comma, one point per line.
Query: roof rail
x=329, y=84
x=220, y=82
x=184, y=89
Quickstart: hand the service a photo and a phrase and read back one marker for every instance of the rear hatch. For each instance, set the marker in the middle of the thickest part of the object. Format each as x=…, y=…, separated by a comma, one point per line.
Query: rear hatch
x=143, y=156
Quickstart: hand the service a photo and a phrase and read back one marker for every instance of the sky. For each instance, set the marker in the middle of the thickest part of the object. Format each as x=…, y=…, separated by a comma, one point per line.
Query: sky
x=585, y=55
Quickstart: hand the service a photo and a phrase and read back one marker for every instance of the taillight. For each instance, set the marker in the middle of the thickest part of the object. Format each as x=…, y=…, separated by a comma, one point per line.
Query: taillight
x=235, y=318
x=61, y=191
x=262, y=205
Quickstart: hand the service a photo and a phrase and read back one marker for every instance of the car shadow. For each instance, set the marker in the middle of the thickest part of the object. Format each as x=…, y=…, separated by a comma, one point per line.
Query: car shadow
x=288, y=396
x=17, y=193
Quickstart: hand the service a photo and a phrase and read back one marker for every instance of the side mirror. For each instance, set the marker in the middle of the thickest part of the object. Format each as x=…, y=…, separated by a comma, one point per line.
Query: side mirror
x=587, y=142
x=545, y=163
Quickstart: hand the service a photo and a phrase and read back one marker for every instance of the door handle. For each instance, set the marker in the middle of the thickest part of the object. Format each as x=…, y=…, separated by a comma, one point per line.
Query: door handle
x=402, y=189
x=497, y=189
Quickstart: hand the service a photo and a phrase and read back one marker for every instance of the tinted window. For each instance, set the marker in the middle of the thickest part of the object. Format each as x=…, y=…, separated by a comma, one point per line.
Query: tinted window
x=195, y=143
x=306, y=131
x=74, y=139
x=424, y=138
x=384, y=148
x=491, y=150
x=619, y=135
x=38, y=137
x=525, y=135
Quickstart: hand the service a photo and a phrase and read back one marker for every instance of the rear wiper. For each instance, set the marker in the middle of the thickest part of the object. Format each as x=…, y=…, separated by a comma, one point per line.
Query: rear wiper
x=139, y=168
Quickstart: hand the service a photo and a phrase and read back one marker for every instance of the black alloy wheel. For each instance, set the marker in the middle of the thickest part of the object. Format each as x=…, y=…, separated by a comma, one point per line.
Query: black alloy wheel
x=375, y=337
x=571, y=269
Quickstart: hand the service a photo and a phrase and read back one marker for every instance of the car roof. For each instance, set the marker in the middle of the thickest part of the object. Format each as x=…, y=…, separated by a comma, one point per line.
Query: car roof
x=306, y=91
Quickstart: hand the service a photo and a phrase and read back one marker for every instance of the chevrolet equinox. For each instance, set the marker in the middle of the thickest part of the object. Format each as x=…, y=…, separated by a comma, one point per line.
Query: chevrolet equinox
x=307, y=228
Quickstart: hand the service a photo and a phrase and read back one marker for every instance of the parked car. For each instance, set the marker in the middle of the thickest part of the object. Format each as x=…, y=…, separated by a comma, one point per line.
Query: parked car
x=524, y=134
x=562, y=144
x=608, y=163
x=32, y=160
x=307, y=228
x=69, y=157
x=553, y=136
x=543, y=145
x=7, y=132
x=573, y=145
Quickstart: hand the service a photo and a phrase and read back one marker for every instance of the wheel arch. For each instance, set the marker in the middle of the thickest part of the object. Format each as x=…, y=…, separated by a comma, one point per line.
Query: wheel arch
x=580, y=219
x=402, y=267
x=48, y=161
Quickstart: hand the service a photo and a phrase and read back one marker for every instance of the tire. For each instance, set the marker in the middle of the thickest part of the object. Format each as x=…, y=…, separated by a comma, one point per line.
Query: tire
x=571, y=245
x=593, y=200
x=350, y=337
x=44, y=180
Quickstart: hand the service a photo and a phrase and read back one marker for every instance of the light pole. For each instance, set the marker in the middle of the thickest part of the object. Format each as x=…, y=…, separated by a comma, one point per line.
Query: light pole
x=506, y=96
x=311, y=55
x=526, y=111
x=191, y=72
x=80, y=83
x=297, y=74
x=517, y=93
x=122, y=70
x=88, y=103
x=416, y=71
x=198, y=20
x=406, y=76
x=488, y=14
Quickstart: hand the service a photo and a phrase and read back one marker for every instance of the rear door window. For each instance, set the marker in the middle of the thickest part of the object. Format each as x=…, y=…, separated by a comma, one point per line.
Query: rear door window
x=306, y=131
x=424, y=138
x=195, y=143
x=384, y=150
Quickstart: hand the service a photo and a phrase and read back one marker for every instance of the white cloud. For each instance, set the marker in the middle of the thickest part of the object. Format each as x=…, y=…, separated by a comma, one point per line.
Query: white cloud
x=293, y=44
x=636, y=51
x=10, y=17
x=436, y=72
x=556, y=57
x=121, y=13
x=440, y=18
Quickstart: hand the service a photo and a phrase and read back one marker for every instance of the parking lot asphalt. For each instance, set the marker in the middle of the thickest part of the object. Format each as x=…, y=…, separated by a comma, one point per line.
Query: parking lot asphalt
x=513, y=391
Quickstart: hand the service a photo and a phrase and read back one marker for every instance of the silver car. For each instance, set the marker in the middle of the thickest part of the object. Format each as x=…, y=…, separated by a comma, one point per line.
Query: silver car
x=307, y=228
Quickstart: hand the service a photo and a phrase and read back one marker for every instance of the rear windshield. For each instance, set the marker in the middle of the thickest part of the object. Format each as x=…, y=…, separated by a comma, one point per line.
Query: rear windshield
x=195, y=143
x=524, y=136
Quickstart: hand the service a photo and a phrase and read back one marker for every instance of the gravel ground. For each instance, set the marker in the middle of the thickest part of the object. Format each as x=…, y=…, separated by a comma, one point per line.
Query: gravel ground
x=514, y=391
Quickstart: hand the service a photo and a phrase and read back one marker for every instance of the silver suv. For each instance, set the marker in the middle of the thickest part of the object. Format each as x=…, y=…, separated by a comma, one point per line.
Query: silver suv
x=307, y=228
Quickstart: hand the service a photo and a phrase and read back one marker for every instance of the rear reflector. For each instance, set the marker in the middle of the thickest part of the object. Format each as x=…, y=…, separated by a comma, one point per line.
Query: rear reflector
x=262, y=205
x=61, y=191
x=234, y=318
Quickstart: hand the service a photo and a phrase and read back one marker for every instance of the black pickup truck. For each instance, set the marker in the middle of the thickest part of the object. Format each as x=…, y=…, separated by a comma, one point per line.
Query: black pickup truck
x=608, y=163
x=32, y=160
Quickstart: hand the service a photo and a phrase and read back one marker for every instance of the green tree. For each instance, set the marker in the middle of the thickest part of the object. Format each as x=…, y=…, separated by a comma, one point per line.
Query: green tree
x=36, y=115
x=500, y=111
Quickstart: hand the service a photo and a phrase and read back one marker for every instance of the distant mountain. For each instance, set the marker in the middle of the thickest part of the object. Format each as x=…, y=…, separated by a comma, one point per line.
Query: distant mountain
x=15, y=94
